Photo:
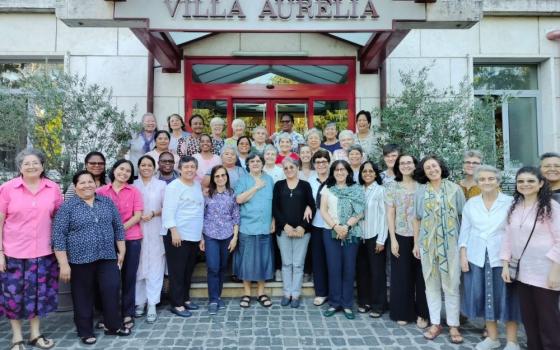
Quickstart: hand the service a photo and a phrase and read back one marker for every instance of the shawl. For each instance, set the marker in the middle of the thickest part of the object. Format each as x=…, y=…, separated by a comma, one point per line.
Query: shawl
x=351, y=202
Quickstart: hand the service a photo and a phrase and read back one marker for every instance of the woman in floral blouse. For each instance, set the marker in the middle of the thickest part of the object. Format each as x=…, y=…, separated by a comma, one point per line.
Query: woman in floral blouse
x=187, y=146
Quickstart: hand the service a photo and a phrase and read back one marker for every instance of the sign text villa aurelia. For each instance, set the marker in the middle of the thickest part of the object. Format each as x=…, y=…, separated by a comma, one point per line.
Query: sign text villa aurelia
x=272, y=15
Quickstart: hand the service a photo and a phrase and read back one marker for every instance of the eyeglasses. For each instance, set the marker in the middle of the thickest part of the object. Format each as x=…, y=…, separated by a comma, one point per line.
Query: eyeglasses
x=167, y=161
x=290, y=167
x=96, y=163
x=471, y=163
x=218, y=176
x=31, y=164
x=286, y=121
x=340, y=170
x=321, y=162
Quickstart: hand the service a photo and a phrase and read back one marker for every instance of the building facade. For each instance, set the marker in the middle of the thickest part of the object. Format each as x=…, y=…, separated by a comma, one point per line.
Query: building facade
x=317, y=74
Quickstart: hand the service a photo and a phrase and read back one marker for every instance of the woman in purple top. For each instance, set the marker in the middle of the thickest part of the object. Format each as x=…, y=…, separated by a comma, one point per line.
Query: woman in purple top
x=221, y=226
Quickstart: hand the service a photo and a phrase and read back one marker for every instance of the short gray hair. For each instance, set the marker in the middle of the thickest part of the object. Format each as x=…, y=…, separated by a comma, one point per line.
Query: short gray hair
x=31, y=152
x=236, y=122
x=291, y=160
x=187, y=159
x=489, y=169
x=228, y=147
x=473, y=153
x=313, y=131
x=356, y=148
x=286, y=136
x=270, y=148
x=257, y=128
x=217, y=121
x=345, y=133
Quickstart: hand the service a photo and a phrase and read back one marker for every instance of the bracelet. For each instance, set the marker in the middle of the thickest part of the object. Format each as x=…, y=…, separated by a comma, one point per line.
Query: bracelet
x=333, y=226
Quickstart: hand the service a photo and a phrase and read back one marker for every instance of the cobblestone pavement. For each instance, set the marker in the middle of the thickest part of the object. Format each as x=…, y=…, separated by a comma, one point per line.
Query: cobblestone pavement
x=254, y=328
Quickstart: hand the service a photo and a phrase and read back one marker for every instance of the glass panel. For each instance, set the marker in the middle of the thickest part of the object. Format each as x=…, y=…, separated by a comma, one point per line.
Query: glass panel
x=505, y=77
x=330, y=111
x=522, y=138
x=12, y=73
x=276, y=74
x=13, y=129
x=298, y=110
x=209, y=109
x=253, y=114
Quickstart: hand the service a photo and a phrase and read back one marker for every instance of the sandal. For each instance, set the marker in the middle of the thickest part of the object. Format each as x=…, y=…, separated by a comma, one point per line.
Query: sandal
x=318, y=301
x=364, y=309
x=422, y=323
x=35, y=342
x=100, y=325
x=89, y=340
x=402, y=323
x=19, y=345
x=455, y=336
x=128, y=322
x=121, y=332
x=245, y=301
x=264, y=300
x=375, y=314
x=434, y=331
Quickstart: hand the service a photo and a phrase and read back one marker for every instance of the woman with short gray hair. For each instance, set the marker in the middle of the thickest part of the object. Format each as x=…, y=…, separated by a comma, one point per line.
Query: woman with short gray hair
x=28, y=268
x=285, y=143
x=346, y=138
x=313, y=138
x=238, y=126
x=144, y=141
x=472, y=159
x=217, y=125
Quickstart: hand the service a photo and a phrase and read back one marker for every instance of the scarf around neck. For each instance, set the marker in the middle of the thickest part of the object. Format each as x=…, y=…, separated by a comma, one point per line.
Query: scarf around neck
x=351, y=202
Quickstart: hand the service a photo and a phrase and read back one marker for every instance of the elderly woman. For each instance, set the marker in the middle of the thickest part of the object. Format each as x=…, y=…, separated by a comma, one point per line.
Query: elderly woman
x=290, y=199
x=471, y=160
x=206, y=159
x=86, y=230
x=438, y=204
x=229, y=161
x=260, y=135
x=356, y=157
x=342, y=208
x=270, y=167
x=321, y=160
x=313, y=138
x=183, y=214
x=254, y=257
x=149, y=278
x=221, y=229
x=144, y=141
x=187, y=146
x=365, y=136
x=243, y=150
x=94, y=162
x=162, y=145
x=217, y=128
x=176, y=127
x=28, y=268
x=330, y=143
x=371, y=277
x=346, y=140
x=532, y=238
x=128, y=201
x=238, y=127
x=285, y=148
x=408, y=291
x=485, y=293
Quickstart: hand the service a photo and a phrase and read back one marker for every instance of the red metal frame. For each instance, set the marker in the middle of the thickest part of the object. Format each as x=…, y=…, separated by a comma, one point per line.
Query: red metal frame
x=279, y=94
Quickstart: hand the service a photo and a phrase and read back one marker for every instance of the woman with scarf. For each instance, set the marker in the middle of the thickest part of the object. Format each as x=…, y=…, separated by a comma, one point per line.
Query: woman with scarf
x=342, y=208
x=438, y=204
x=145, y=140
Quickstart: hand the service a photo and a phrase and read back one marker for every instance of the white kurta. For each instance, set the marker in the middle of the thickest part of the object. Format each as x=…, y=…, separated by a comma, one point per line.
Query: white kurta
x=149, y=279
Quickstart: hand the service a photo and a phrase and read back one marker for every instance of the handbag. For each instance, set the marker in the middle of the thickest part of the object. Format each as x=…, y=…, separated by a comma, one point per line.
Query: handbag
x=513, y=264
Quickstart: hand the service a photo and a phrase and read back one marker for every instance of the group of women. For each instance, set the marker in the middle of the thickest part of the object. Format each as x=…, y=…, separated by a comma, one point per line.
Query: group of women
x=113, y=239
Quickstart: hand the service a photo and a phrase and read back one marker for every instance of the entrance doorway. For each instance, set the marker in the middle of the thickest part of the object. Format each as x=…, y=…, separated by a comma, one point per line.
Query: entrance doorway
x=267, y=113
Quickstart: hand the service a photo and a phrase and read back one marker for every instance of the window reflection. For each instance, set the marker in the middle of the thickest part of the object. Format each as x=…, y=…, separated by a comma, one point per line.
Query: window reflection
x=330, y=111
x=209, y=109
x=505, y=77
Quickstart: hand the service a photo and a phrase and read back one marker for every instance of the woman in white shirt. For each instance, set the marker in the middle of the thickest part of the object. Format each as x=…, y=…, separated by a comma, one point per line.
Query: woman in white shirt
x=371, y=277
x=486, y=295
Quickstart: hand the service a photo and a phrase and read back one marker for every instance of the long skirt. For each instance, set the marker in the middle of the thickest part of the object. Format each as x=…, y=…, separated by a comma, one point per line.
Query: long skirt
x=254, y=259
x=487, y=296
x=29, y=287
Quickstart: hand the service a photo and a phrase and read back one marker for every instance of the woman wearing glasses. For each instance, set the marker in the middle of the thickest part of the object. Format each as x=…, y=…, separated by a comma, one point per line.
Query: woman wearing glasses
x=94, y=162
x=471, y=160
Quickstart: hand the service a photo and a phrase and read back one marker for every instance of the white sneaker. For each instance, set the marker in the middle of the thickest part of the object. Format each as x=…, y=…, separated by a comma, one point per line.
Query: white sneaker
x=139, y=311
x=152, y=314
x=278, y=276
x=488, y=344
x=512, y=346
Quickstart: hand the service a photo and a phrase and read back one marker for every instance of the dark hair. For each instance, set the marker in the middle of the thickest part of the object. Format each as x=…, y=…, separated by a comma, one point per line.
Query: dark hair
x=148, y=157
x=244, y=137
x=331, y=181
x=544, y=197
x=251, y=156
x=549, y=155
x=169, y=121
x=211, y=143
x=102, y=179
x=212, y=187
x=116, y=165
x=397, y=171
x=166, y=152
x=159, y=132
x=195, y=116
x=420, y=175
x=321, y=153
x=390, y=148
x=78, y=174
x=289, y=115
x=187, y=159
x=366, y=114
x=375, y=170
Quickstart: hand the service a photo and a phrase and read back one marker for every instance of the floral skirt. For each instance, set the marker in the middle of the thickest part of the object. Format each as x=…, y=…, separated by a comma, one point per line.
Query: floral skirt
x=29, y=287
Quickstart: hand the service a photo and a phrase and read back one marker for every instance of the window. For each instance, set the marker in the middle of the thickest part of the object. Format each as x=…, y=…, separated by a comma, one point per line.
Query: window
x=330, y=111
x=209, y=109
x=516, y=119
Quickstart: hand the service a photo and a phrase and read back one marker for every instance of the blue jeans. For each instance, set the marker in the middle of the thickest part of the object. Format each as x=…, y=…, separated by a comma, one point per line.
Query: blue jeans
x=128, y=276
x=216, y=262
x=341, y=264
x=293, y=251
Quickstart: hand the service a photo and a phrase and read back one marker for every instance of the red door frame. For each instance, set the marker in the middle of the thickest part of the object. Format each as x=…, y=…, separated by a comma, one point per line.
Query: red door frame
x=270, y=112
x=259, y=92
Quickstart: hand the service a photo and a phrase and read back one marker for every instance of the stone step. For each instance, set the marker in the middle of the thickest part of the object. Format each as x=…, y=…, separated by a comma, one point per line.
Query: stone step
x=235, y=289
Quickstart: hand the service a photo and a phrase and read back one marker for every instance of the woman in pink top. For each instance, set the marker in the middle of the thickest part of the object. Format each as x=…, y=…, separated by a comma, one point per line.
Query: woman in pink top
x=28, y=268
x=128, y=201
x=206, y=158
x=538, y=279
